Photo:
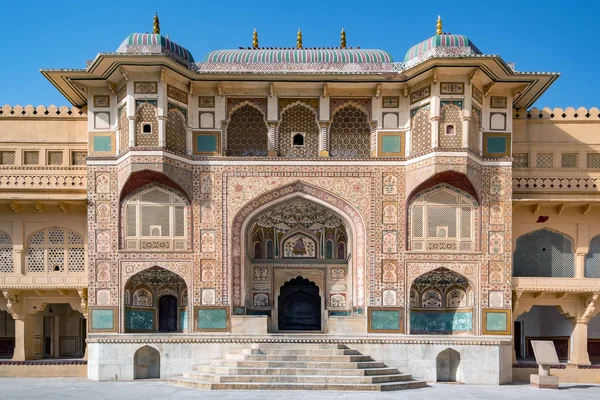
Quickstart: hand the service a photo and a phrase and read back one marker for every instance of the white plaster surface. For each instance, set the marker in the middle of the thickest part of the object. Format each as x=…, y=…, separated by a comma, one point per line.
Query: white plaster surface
x=481, y=362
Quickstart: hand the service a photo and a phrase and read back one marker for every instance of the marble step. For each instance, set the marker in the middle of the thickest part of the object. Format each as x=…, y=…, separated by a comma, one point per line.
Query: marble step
x=298, y=364
x=298, y=378
x=317, y=352
x=199, y=384
x=296, y=371
x=309, y=357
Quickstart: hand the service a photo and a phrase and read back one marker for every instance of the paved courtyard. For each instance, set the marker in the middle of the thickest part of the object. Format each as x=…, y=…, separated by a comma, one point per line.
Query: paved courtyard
x=78, y=388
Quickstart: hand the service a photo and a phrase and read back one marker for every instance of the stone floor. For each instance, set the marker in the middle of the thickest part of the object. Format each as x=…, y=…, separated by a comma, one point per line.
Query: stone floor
x=77, y=389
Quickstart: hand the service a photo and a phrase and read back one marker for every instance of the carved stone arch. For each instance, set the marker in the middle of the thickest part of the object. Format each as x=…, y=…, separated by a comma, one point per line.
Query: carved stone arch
x=183, y=269
x=532, y=229
x=255, y=142
x=167, y=177
x=172, y=190
x=350, y=103
x=176, y=131
x=531, y=258
x=458, y=190
x=356, y=228
x=293, y=120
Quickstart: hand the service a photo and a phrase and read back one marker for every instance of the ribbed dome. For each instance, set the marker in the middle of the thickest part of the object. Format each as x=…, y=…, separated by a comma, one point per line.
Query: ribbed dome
x=309, y=55
x=442, y=45
x=155, y=43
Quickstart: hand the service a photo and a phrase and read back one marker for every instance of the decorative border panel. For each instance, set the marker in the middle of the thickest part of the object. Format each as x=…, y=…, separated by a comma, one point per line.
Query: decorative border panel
x=488, y=325
x=385, y=320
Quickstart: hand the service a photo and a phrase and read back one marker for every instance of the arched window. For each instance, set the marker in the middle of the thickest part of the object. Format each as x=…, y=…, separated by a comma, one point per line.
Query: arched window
x=247, y=132
x=443, y=220
x=544, y=253
x=329, y=249
x=270, y=249
x=592, y=259
x=350, y=133
x=155, y=219
x=6, y=254
x=341, y=250
x=258, y=251
x=55, y=250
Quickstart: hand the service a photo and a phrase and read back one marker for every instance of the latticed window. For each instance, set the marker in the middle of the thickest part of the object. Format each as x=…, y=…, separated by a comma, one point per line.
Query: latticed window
x=155, y=219
x=6, y=254
x=55, y=250
x=442, y=220
x=350, y=134
x=592, y=260
x=544, y=253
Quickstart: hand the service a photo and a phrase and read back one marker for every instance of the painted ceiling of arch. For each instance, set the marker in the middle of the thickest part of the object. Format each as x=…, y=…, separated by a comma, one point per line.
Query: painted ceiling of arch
x=292, y=213
x=441, y=277
x=157, y=276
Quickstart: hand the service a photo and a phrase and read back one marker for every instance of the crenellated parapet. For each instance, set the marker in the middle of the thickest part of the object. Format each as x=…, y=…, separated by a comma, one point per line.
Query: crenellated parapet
x=558, y=114
x=8, y=111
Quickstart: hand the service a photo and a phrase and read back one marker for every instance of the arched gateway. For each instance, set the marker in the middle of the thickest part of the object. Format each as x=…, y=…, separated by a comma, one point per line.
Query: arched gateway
x=298, y=265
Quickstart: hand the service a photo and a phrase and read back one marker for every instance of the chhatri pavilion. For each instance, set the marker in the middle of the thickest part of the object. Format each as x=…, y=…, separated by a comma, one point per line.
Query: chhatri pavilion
x=299, y=218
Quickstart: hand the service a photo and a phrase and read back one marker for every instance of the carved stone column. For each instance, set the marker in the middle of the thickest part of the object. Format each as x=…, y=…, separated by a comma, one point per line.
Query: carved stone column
x=324, y=138
x=83, y=295
x=435, y=131
x=162, y=131
x=223, y=137
x=580, y=264
x=132, y=131
x=373, y=138
x=579, y=340
x=273, y=139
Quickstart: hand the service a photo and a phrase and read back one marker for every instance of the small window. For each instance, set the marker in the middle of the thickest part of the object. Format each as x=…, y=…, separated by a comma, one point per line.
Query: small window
x=450, y=130
x=298, y=139
x=7, y=157
x=146, y=128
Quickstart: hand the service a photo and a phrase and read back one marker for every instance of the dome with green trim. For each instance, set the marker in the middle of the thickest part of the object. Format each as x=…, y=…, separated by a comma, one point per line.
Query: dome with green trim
x=441, y=45
x=303, y=55
x=155, y=43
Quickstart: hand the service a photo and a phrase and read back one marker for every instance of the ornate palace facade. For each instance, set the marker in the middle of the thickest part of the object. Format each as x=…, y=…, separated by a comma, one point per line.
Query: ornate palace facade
x=181, y=210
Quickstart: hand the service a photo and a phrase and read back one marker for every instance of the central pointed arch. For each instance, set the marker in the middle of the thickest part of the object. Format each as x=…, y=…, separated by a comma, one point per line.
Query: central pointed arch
x=356, y=228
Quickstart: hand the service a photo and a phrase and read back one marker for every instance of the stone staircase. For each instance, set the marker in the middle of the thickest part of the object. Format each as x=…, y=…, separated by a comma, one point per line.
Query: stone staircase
x=297, y=366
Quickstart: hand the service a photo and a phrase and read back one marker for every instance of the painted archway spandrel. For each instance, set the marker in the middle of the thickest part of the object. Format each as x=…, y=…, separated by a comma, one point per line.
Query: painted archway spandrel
x=181, y=268
x=242, y=190
x=469, y=270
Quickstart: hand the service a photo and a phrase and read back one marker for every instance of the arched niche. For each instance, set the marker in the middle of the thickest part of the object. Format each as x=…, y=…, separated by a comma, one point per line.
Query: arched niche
x=448, y=366
x=156, y=302
x=544, y=253
x=440, y=304
x=146, y=363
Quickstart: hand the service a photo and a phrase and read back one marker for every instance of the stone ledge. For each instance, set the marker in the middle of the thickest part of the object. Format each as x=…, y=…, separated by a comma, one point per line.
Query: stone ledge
x=44, y=362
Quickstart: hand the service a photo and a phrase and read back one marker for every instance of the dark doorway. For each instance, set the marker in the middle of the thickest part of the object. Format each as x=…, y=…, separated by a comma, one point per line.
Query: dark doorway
x=517, y=340
x=167, y=314
x=299, y=306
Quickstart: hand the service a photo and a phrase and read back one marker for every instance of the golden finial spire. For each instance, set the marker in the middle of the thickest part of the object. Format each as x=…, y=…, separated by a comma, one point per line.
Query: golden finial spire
x=156, y=24
x=343, y=39
x=299, y=39
x=438, y=27
x=255, y=39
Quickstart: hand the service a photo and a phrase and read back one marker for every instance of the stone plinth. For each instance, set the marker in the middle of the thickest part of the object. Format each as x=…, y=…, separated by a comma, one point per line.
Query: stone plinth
x=544, y=381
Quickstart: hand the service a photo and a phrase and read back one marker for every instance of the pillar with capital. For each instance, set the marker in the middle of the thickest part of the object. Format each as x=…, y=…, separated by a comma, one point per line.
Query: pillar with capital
x=273, y=143
x=324, y=138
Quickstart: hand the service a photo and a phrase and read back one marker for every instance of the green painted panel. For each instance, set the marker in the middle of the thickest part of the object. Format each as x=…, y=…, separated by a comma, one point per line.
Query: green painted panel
x=212, y=318
x=239, y=310
x=103, y=319
x=183, y=320
x=206, y=143
x=385, y=320
x=496, y=321
x=102, y=143
x=391, y=144
x=496, y=144
x=139, y=320
x=336, y=313
x=440, y=322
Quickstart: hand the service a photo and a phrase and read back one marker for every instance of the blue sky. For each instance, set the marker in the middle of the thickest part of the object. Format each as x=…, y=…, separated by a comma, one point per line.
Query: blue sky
x=552, y=35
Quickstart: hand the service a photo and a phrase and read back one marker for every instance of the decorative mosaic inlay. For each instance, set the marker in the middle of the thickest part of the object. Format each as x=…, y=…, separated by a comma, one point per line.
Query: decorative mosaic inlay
x=544, y=160
x=177, y=94
x=390, y=102
x=452, y=88
x=206, y=101
x=101, y=101
x=520, y=160
x=477, y=95
x=420, y=94
x=145, y=87
x=498, y=102
x=569, y=160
